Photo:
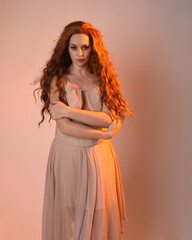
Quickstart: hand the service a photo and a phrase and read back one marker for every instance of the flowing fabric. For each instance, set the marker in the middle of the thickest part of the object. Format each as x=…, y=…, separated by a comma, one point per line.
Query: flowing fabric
x=83, y=196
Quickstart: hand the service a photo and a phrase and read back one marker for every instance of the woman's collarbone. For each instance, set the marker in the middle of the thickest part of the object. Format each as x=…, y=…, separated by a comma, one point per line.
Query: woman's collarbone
x=82, y=83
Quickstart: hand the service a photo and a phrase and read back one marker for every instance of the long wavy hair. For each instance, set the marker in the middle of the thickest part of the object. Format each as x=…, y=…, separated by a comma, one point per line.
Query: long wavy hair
x=99, y=64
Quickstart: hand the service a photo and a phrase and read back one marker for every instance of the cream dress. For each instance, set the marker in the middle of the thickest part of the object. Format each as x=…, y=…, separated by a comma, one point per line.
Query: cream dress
x=83, y=196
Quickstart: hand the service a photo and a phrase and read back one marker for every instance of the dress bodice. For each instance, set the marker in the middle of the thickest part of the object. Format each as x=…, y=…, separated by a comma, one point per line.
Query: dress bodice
x=78, y=98
x=81, y=99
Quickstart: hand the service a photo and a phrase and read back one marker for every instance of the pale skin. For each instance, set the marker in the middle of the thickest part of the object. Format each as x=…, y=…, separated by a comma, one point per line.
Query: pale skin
x=101, y=124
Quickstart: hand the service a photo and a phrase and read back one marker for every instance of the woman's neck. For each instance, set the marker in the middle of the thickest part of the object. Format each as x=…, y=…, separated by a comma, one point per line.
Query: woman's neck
x=78, y=71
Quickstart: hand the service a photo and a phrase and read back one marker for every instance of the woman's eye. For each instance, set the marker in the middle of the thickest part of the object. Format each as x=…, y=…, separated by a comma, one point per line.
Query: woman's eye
x=85, y=47
x=73, y=47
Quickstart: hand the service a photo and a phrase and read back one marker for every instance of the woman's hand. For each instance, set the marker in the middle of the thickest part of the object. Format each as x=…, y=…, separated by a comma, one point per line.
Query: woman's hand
x=113, y=128
x=58, y=110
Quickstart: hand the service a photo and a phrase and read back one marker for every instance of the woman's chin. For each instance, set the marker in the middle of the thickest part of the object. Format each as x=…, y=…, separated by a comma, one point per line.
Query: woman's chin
x=80, y=63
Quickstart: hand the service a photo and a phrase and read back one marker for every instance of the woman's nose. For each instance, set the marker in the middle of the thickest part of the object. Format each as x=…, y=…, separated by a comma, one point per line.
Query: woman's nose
x=80, y=52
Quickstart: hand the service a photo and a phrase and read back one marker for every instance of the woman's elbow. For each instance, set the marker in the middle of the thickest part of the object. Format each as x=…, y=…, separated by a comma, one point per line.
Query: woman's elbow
x=107, y=120
x=62, y=125
x=61, y=128
x=107, y=123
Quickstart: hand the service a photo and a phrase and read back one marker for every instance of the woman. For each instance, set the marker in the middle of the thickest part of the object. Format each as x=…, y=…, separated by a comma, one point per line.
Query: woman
x=83, y=198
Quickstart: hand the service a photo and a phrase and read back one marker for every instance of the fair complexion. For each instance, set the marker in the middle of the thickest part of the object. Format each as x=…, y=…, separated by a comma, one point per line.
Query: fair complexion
x=80, y=48
x=97, y=119
x=66, y=126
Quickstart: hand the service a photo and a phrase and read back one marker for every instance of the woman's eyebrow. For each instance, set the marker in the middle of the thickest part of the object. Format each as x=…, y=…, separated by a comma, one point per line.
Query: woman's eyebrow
x=81, y=45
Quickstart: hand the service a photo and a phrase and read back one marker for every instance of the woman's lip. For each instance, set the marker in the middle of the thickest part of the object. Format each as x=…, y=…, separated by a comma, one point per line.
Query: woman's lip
x=80, y=59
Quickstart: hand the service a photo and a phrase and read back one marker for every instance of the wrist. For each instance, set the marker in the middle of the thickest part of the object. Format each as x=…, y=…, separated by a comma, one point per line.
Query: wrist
x=67, y=112
x=105, y=135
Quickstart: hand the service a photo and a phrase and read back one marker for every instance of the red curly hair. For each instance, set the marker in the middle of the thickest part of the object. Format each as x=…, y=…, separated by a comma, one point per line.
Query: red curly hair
x=98, y=64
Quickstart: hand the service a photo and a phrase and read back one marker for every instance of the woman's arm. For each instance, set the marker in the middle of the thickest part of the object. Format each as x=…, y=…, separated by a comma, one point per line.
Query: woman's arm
x=69, y=127
x=60, y=110
x=74, y=129
x=97, y=119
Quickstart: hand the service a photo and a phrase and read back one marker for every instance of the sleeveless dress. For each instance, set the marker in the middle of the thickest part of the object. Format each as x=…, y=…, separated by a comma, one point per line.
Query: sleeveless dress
x=83, y=195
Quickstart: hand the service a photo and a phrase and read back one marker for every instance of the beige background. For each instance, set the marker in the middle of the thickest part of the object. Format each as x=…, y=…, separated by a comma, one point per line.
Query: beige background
x=150, y=45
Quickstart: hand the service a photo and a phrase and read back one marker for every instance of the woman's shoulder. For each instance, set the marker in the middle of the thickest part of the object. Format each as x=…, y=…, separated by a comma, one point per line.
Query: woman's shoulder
x=61, y=79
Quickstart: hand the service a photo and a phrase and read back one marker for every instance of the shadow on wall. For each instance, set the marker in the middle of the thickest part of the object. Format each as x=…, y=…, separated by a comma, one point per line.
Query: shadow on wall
x=153, y=177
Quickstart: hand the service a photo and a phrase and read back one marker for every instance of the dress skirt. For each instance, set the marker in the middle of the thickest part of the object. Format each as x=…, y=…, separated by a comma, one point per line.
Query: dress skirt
x=83, y=196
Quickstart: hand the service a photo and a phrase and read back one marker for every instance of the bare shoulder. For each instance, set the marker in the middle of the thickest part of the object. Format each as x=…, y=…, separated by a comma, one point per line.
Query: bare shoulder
x=94, y=79
x=53, y=83
x=62, y=81
x=54, y=90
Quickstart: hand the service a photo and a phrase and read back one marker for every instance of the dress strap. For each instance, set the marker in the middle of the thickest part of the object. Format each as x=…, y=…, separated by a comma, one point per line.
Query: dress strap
x=67, y=79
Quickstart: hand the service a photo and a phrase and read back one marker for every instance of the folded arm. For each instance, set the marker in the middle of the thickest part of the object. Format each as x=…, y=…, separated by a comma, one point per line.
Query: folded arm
x=93, y=118
x=69, y=127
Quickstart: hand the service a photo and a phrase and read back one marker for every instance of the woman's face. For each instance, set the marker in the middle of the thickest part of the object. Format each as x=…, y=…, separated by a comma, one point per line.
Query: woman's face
x=79, y=49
